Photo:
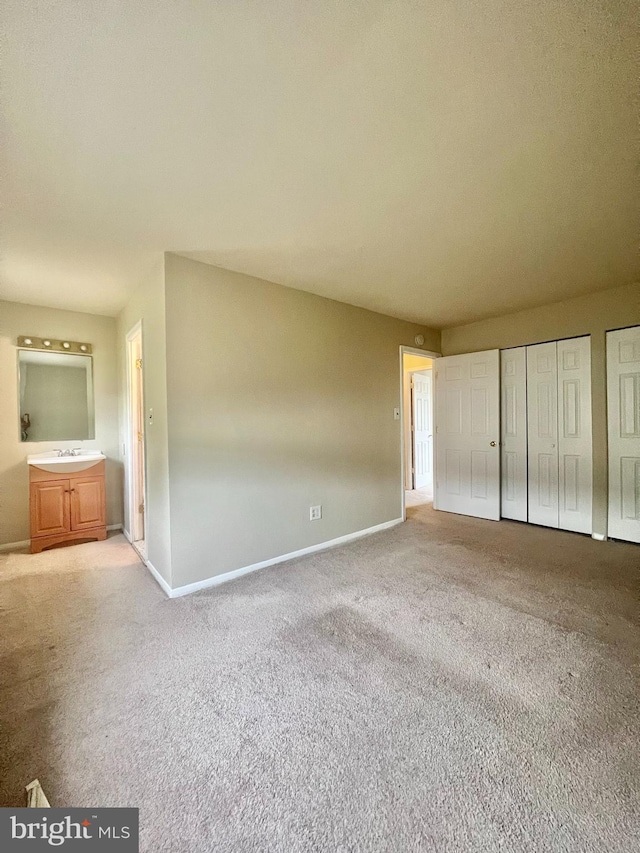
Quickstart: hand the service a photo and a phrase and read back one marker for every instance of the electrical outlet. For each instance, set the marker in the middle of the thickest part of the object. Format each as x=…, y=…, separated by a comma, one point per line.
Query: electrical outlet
x=315, y=513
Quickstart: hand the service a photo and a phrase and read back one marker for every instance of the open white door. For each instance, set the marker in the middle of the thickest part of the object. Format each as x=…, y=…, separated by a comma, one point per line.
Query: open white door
x=623, y=395
x=422, y=428
x=467, y=451
x=135, y=462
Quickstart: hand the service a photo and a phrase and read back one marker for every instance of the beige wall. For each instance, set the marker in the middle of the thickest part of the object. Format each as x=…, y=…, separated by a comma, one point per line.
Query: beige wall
x=587, y=315
x=278, y=400
x=148, y=305
x=18, y=319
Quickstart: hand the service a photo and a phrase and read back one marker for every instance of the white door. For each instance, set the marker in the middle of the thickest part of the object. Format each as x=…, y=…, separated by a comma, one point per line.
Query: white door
x=623, y=395
x=421, y=383
x=574, y=435
x=542, y=428
x=513, y=366
x=136, y=460
x=467, y=416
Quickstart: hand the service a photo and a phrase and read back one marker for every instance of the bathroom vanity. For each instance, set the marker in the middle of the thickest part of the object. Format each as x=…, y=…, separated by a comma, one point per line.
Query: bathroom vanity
x=66, y=499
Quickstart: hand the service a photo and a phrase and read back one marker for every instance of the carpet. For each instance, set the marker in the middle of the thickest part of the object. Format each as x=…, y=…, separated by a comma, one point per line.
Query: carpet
x=450, y=684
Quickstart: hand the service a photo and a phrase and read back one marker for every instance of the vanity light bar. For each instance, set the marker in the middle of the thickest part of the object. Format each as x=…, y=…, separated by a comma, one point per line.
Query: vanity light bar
x=30, y=342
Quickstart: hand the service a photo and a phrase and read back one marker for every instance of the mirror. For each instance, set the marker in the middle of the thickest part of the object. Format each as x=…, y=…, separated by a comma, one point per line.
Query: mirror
x=56, y=396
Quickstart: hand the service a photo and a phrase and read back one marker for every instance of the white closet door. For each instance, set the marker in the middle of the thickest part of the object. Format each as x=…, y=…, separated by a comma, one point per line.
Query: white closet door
x=467, y=417
x=542, y=423
x=574, y=434
x=513, y=366
x=623, y=395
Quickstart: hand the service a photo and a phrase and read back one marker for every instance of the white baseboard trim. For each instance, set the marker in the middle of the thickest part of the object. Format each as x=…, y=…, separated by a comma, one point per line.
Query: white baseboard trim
x=179, y=591
x=155, y=574
x=164, y=586
x=599, y=536
x=15, y=546
x=111, y=527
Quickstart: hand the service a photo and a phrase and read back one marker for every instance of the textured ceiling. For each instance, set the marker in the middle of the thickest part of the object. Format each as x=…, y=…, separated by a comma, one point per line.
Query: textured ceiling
x=437, y=161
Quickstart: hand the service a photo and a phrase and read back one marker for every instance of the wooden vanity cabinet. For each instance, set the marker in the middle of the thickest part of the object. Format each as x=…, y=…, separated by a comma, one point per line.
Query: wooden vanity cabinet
x=66, y=508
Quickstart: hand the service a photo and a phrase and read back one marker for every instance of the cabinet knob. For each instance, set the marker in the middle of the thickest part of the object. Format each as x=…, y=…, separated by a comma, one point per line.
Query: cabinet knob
x=492, y=443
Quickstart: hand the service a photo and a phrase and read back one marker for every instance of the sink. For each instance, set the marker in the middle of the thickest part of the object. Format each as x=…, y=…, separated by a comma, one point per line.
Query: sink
x=65, y=464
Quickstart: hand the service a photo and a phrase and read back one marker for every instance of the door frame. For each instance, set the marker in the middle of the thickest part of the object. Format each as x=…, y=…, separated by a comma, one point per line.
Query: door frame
x=427, y=354
x=133, y=491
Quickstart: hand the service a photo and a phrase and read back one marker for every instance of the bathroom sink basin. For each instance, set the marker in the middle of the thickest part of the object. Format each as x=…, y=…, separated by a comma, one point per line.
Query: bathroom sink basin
x=65, y=464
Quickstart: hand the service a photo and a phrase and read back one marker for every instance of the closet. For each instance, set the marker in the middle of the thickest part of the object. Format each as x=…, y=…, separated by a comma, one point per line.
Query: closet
x=546, y=434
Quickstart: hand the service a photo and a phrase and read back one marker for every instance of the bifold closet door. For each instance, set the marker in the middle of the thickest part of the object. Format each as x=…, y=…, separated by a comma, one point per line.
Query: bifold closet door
x=513, y=406
x=575, y=466
x=542, y=427
x=559, y=434
x=623, y=395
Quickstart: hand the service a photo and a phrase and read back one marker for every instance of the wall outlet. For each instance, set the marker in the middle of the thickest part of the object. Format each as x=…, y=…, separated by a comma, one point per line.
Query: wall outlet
x=315, y=513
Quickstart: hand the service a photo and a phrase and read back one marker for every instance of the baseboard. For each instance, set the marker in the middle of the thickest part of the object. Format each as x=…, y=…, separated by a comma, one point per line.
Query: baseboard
x=155, y=574
x=245, y=570
x=600, y=537
x=15, y=546
x=111, y=527
x=164, y=586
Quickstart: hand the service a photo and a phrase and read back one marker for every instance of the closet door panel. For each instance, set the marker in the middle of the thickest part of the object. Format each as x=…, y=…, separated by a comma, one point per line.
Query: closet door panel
x=542, y=429
x=623, y=399
x=513, y=403
x=574, y=435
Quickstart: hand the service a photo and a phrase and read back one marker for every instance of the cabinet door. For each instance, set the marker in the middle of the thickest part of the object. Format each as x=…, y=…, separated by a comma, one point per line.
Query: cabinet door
x=87, y=503
x=50, y=508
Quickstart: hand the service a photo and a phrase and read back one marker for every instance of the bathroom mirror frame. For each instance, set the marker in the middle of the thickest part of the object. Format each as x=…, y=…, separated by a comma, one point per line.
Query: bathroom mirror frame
x=52, y=355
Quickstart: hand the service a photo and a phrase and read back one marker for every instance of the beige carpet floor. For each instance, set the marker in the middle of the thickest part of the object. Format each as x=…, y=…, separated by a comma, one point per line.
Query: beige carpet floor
x=448, y=685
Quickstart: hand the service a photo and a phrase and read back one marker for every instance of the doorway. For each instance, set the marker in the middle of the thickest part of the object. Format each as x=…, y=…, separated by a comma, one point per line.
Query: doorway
x=135, y=444
x=417, y=426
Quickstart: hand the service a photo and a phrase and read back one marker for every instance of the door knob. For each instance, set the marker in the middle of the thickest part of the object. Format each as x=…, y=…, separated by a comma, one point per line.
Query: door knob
x=492, y=443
